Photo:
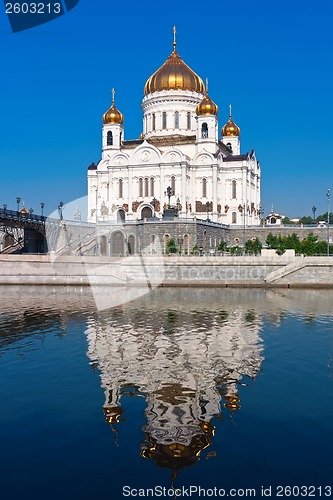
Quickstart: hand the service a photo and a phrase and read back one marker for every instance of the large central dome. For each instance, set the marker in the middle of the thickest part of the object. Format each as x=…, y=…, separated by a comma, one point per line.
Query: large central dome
x=174, y=74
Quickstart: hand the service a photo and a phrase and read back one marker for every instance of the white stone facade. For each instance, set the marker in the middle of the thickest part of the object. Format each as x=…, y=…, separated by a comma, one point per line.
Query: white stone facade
x=208, y=176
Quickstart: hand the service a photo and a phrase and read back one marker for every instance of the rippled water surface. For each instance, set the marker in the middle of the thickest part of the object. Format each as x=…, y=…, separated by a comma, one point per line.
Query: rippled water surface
x=214, y=388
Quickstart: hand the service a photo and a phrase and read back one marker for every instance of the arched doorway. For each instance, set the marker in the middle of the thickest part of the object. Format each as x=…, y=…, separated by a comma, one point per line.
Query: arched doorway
x=131, y=245
x=103, y=245
x=121, y=215
x=146, y=213
x=117, y=243
x=8, y=240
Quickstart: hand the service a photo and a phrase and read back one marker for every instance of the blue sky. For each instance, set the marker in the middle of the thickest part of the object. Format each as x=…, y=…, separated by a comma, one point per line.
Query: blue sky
x=271, y=60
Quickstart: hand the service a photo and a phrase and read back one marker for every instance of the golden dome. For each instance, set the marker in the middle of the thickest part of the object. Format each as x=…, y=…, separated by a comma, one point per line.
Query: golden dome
x=113, y=115
x=174, y=74
x=230, y=128
x=207, y=107
x=24, y=211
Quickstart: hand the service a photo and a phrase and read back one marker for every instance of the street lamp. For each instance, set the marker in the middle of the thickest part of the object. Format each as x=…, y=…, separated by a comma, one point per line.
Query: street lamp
x=169, y=194
x=154, y=205
x=31, y=211
x=18, y=201
x=42, y=205
x=61, y=208
x=260, y=211
x=314, y=208
x=328, y=194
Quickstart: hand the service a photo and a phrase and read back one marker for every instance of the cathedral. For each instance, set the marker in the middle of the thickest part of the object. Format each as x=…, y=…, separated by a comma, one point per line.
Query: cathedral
x=182, y=160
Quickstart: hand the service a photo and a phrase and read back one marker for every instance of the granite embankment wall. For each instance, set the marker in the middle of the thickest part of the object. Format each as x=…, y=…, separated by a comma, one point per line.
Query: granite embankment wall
x=267, y=270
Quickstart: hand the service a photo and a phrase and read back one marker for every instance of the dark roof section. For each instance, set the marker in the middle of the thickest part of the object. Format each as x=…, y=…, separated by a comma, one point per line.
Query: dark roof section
x=170, y=140
x=131, y=143
x=93, y=166
x=236, y=157
x=224, y=148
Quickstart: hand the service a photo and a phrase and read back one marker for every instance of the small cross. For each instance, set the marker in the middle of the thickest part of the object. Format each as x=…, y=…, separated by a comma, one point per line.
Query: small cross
x=113, y=93
x=206, y=85
x=174, y=36
x=230, y=111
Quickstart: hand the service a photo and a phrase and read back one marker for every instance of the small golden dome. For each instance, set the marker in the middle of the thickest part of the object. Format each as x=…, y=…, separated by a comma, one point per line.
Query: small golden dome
x=174, y=74
x=24, y=211
x=230, y=128
x=113, y=115
x=207, y=107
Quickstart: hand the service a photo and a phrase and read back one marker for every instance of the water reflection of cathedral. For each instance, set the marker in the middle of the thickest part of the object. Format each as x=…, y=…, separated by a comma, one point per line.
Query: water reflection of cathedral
x=187, y=364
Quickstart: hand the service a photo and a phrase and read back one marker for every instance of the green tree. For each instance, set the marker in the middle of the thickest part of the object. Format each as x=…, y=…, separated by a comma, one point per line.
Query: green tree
x=171, y=246
x=253, y=246
x=309, y=244
x=222, y=246
x=293, y=242
x=306, y=219
x=324, y=217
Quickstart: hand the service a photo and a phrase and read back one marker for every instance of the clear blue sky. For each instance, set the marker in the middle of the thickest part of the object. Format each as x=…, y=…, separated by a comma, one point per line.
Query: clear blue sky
x=271, y=60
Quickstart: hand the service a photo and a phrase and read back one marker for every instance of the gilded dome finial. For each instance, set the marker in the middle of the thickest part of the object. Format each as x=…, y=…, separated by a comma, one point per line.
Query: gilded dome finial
x=174, y=38
x=113, y=115
x=174, y=74
x=206, y=85
x=230, y=128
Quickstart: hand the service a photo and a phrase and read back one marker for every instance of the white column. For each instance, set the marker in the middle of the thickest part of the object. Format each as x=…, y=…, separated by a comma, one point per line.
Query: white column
x=214, y=215
x=183, y=190
x=130, y=189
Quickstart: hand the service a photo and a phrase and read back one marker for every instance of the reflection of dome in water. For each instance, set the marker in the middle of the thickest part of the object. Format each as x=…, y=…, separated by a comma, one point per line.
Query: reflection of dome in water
x=182, y=398
x=112, y=414
x=176, y=456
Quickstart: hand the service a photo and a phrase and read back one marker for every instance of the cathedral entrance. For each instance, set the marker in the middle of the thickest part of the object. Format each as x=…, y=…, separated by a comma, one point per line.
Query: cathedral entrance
x=117, y=244
x=146, y=213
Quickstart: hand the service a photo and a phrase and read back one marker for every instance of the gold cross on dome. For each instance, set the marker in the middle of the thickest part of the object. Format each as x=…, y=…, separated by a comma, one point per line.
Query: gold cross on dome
x=174, y=37
x=113, y=93
x=230, y=111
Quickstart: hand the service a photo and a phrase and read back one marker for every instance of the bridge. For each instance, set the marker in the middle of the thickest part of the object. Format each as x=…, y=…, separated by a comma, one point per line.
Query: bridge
x=23, y=232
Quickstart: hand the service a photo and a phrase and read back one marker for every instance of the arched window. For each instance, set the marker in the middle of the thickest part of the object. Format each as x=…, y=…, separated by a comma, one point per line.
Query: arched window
x=146, y=186
x=152, y=243
x=176, y=119
x=164, y=120
x=152, y=186
x=140, y=187
x=120, y=137
x=186, y=244
x=120, y=194
x=173, y=184
x=204, y=131
x=229, y=145
x=166, y=239
x=154, y=122
x=189, y=120
x=234, y=218
x=109, y=140
x=204, y=188
x=233, y=190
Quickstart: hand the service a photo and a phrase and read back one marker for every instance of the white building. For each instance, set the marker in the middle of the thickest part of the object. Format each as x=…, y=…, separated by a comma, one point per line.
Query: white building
x=180, y=152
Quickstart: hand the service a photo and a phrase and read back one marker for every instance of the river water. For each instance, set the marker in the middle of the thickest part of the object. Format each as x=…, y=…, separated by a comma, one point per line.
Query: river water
x=182, y=388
